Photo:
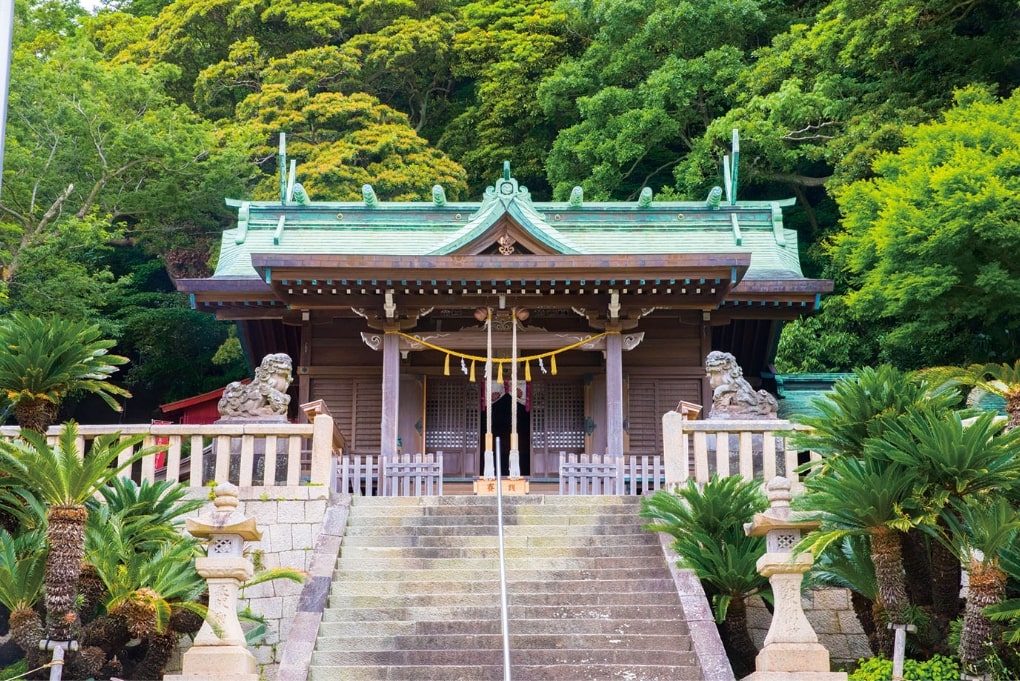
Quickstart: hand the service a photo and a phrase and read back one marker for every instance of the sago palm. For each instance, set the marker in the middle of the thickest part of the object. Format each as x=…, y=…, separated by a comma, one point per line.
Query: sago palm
x=861, y=406
x=22, y=573
x=865, y=496
x=998, y=379
x=708, y=526
x=43, y=361
x=64, y=481
x=950, y=461
x=984, y=529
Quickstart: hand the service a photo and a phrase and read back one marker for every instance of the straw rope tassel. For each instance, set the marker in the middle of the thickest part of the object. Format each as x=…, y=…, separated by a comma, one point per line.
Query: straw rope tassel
x=446, y=366
x=552, y=365
x=472, y=376
x=499, y=374
x=527, y=371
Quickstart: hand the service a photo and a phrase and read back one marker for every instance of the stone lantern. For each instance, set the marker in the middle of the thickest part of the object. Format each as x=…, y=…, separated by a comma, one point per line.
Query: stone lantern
x=791, y=651
x=219, y=651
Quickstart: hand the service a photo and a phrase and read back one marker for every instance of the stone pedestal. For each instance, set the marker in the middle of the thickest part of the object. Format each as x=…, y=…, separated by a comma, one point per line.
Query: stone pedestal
x=791, y=651
x=220, y=651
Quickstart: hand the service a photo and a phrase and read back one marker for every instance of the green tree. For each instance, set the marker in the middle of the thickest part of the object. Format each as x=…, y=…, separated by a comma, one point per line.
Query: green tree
x=707, y=524
x=22, y=575
x=651, y=80
x=501, y=52
x=43, y=361
x=926, y=245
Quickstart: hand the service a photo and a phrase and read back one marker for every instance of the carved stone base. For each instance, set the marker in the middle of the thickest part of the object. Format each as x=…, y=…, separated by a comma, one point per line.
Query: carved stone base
x=216, y=663
x=797, y=658
x=511, y=486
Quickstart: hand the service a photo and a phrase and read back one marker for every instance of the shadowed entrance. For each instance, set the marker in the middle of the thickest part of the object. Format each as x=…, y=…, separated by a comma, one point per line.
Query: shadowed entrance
x=501, y=417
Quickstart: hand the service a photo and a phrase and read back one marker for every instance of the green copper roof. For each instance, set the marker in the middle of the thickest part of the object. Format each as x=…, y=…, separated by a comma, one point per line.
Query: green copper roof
x=645, y=226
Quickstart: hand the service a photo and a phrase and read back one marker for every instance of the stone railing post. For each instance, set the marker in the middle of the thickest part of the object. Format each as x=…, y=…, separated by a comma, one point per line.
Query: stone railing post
x=219, y=652
x=675, y=451
x=327, y=442
x=791, y=651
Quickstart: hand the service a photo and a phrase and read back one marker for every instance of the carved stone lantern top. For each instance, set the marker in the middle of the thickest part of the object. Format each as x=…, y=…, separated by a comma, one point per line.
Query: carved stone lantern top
x=225, y=519
x=781, y=526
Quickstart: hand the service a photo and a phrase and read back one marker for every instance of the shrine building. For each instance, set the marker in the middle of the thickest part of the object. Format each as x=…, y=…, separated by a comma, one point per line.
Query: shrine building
x=381, y=305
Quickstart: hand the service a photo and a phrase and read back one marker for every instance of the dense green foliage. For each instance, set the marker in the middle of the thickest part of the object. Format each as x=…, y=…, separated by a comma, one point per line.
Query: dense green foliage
x=883, y=119
x=707, y=526
x=938, y=668
x=910, y=481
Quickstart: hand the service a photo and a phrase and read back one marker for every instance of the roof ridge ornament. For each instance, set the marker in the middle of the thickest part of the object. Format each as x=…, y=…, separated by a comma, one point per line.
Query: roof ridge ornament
x=730, y=163
x=645, y=198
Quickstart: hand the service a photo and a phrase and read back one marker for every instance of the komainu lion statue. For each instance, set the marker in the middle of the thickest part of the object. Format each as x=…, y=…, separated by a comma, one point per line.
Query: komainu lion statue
x=732, y=396
x=265, y=396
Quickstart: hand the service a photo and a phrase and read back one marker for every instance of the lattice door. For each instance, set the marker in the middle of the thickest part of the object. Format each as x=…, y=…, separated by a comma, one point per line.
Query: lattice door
x=557, y=423
x=452, y=424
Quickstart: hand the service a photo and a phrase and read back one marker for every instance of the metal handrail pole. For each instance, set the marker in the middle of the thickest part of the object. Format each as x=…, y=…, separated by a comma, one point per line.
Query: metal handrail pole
x=504, y=609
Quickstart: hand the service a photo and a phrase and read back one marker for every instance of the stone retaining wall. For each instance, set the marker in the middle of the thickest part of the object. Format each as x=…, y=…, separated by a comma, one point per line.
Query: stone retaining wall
x=290, y=519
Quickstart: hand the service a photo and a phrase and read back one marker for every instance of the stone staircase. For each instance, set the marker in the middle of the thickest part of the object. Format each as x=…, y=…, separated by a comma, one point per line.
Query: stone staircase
x=415, y=594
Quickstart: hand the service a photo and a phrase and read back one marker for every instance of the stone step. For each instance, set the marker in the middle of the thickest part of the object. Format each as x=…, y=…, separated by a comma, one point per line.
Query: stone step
x=534, y=553
x=416, y=600
x=606, y=521
x=513, y=562
x=491, y=586
x=531, y=656
x=510, y=540
x=525, y=672
x=557, y=625
x=447, y=611
x=609, y=531
x=532, y=640
x=352, y=572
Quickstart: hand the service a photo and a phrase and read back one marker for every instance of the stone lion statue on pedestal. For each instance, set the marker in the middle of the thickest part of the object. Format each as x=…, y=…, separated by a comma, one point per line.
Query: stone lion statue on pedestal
x=732, y=396
x=265, y=396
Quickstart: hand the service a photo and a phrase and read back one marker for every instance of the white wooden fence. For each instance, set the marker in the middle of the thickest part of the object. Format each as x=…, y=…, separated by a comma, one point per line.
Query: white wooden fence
x=400, y=476
x=582, y=474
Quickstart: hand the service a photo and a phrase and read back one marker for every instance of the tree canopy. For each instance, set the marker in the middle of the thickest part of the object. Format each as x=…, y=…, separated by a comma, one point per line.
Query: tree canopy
x=890, y=122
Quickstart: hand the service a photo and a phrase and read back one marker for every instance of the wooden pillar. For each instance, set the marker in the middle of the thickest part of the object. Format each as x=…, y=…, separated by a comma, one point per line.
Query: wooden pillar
x=614, y=394
x=390, y=394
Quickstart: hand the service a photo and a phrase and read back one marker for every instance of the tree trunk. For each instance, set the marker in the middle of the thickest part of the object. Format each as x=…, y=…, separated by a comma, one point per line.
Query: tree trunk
x=66, y=538
x=987, y=587
x=888, y=561
x=864, y=609
x=945, y=590
x=736, y=639
x=158, y=649
x=37, y=415
x=917, y=566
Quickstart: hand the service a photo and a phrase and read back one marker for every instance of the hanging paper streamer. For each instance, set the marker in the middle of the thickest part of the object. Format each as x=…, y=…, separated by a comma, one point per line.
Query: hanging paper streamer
x=471, y=377
x=539, y=357
x=463, y=366
x=527, y=371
